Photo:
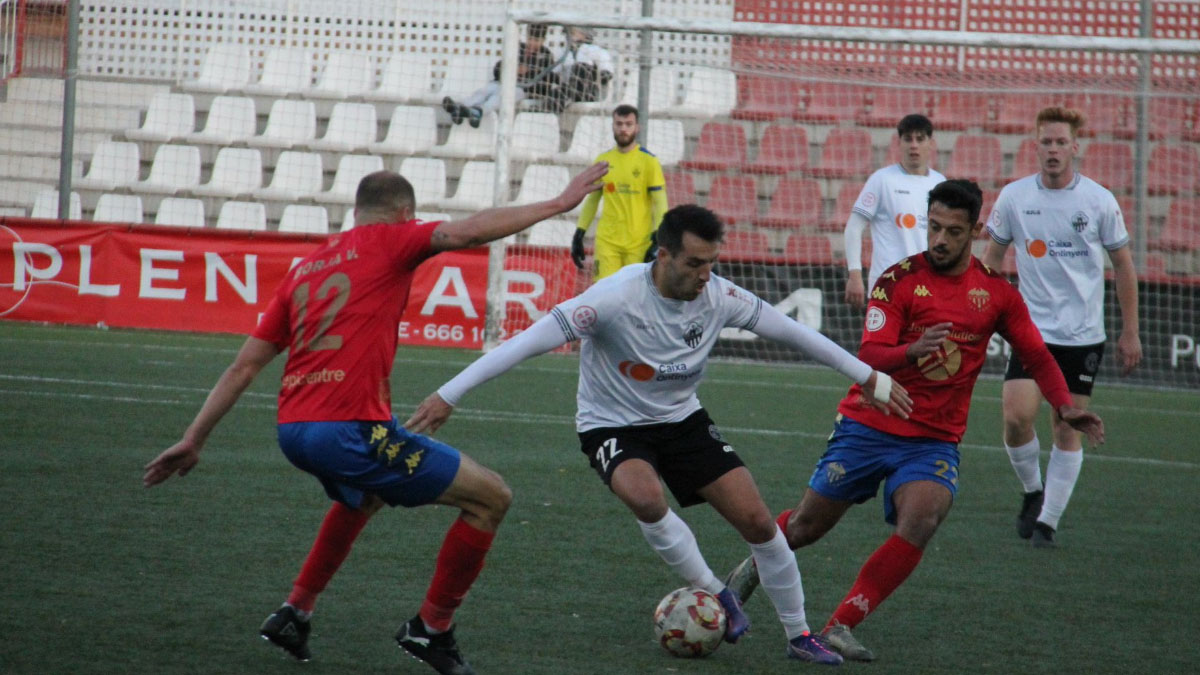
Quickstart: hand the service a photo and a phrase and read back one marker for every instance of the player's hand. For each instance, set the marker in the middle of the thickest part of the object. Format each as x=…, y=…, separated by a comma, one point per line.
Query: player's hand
x=1085, y=421
x=898, y=402
x=929, y=342
x=1129, y=351
x=179, y=458
x=577, y=252
x=430, y=415
x=856, y=293
x=585, y=183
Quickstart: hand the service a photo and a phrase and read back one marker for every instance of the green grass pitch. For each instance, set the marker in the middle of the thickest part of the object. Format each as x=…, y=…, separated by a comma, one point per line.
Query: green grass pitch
x=99, y=575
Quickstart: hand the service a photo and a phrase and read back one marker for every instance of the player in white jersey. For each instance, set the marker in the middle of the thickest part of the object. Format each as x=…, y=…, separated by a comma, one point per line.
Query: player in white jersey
x=1061, y=223
x=647, y=332
x=895, y=204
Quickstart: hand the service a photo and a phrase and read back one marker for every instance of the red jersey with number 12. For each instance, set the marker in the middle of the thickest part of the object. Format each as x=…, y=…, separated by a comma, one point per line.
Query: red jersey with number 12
x=337, y=311
x=910, y=297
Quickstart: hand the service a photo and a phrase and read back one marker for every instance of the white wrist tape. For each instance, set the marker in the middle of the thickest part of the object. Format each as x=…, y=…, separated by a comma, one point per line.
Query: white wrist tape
x=883, y=387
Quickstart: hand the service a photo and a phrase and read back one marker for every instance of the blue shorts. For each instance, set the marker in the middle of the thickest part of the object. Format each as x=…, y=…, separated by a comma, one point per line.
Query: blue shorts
x=859, y=457
x=380, y=458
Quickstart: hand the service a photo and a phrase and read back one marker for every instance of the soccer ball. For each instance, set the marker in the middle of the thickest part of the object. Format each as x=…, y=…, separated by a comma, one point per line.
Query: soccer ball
x=689, y=622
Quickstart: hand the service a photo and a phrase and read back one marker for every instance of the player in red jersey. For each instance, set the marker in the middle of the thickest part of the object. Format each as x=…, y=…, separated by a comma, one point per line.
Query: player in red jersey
x=336, y=313
x=928, y=324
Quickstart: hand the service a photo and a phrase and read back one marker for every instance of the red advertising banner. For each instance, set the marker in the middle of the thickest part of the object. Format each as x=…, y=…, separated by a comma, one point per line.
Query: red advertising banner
x=221, y=281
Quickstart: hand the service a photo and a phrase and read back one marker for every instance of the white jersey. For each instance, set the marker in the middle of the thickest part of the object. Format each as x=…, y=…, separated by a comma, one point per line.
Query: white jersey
x=1060, y=238
x=643, y=355
x=586, y=53
x=897, y=205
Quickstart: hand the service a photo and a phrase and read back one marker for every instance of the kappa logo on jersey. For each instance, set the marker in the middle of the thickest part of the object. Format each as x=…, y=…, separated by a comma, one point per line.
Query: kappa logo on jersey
x=921, y=292
x=636, y=371
x=906, y=221
x=875, y=319
x=879, y=294
x=978, y=298
x=1079, y=221
x=861, y=602
x=583, y=316
x=693, y=334
x=941, y=364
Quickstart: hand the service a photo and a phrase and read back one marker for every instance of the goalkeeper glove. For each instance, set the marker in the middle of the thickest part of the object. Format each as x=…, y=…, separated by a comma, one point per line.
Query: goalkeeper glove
x=577, y=253
x=652, y=252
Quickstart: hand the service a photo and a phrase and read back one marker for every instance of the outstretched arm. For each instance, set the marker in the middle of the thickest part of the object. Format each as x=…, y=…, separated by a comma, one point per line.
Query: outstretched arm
x=539, y=338
x=856, y=292
x=181, y=457
x=1129, y=344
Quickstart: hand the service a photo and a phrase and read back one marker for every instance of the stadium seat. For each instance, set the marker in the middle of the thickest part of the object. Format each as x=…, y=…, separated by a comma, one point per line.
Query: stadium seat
x=745, y=246
x=721, y=146
x=541, y=182
x=681, y=188
x=464, y=74
x=289, y=123
x=1174, y=169
x=285, y=71
x=407, y=77
x=534, y=137
x=1106, y=114
x=734, y=199
x=959, y=111
x=592, y=136
x=977, y=158
x=890, y=105
x=467, y=142
x=118, y=209
x=169, y=116
x=1025, y=161
x=114, y=163
x=411, y=131
x=1016, y=113
x=225, y=68
x=242, y=216
x=306, y=219
x=795, y=204
x=175, y=168
x=352, y=127
x=231, y=119
x=665, y=139
x=781, y=149
x=181, y=212
x=297, y=175
x=845, y=154
x=428, y=179
x=554, y=232
x=847, y=194
x=1181, y=231
x=709, y=93
x=348, y=219
x=829, y=103
x=346, y=74
x=45, y=205
x=1168, y=119
x=235, y=172
x=350, y=171
x=804, y=249
x=476, y=188
x=985, y=211
x=663, y=84
x=1109, y=164
x=765, y=99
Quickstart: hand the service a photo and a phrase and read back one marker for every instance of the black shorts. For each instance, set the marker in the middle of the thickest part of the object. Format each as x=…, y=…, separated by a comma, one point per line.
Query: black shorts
x=687, y=455
x=1079, y=366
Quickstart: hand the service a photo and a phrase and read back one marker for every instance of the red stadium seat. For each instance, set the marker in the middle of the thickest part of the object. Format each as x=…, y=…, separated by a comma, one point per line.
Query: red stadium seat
x=681, y=188
x=846, y=153
x=978, y=158
x=721, y=146
x=1109, y=164
x=795, y=204
x=831, y=104
x=959, y=111
x=763, y=99
x=734, y=199
x=804, y=249
x=1106, y=114
x=1017, y=113
x=1168, y=119
x=846, y=196
x=781, y=150
x=1025, y=162
x=890, y=105
x=1181, y=232
x=745, y=246
x=1174, y=170
x=989, y=200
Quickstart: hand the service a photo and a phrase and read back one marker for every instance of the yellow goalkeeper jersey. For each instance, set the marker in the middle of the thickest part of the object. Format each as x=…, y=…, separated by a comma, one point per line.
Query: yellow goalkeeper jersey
x=625, y=215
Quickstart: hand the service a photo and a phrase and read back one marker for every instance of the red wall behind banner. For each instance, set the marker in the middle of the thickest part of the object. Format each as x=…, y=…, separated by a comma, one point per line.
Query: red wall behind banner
x=221, y=281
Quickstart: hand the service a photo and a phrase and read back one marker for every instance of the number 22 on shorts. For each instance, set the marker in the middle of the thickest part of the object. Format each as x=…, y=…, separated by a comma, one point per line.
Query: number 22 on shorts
x=608, y=450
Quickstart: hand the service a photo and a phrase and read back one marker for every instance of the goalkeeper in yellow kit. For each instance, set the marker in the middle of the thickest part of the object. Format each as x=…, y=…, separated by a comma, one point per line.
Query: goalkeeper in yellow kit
x=635, y=199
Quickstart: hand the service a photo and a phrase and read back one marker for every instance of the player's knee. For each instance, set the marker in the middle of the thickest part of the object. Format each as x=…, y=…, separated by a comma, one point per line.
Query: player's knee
x=802, y=530
x=498, y=498
x=758, y=528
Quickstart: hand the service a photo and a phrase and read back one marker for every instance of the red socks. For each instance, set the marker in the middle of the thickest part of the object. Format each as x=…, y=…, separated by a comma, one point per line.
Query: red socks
x=341, y=527
x=883, y=573
x=458, y=564
x=781, y=521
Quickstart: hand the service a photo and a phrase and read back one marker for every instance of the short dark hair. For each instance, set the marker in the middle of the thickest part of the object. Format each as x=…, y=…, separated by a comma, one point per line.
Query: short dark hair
x=914, y=122
x=537, y=30
x=959, y=193
x=384, y=190
x=689, y=218
x=625, y=109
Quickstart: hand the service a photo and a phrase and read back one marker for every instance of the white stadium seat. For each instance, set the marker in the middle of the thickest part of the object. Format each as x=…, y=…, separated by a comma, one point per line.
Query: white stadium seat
x=236, y=171
x=350, y=171
x=180, y=211
x=118, y=209
x=302, y=218
x=225, y=68
x=169, y=116
x=242, y=216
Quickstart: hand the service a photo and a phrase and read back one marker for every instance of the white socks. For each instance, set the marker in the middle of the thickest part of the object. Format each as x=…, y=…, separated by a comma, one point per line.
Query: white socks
x=676, y=544
x=1025, y=462
x=1061, y=474
x=780, y=579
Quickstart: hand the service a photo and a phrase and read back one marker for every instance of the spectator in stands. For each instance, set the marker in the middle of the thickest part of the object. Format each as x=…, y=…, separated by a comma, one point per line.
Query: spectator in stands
x=635, y=199
x=535, y=77
x=894, y=204
x=584, y=69
x=1062, y=223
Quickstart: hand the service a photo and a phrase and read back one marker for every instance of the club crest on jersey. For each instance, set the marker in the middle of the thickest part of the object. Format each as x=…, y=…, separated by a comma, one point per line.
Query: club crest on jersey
x=1079, y=221
x=693, y=334
x=835, y=472
x=583, y=316
x=978, y=298
x=714, y=432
